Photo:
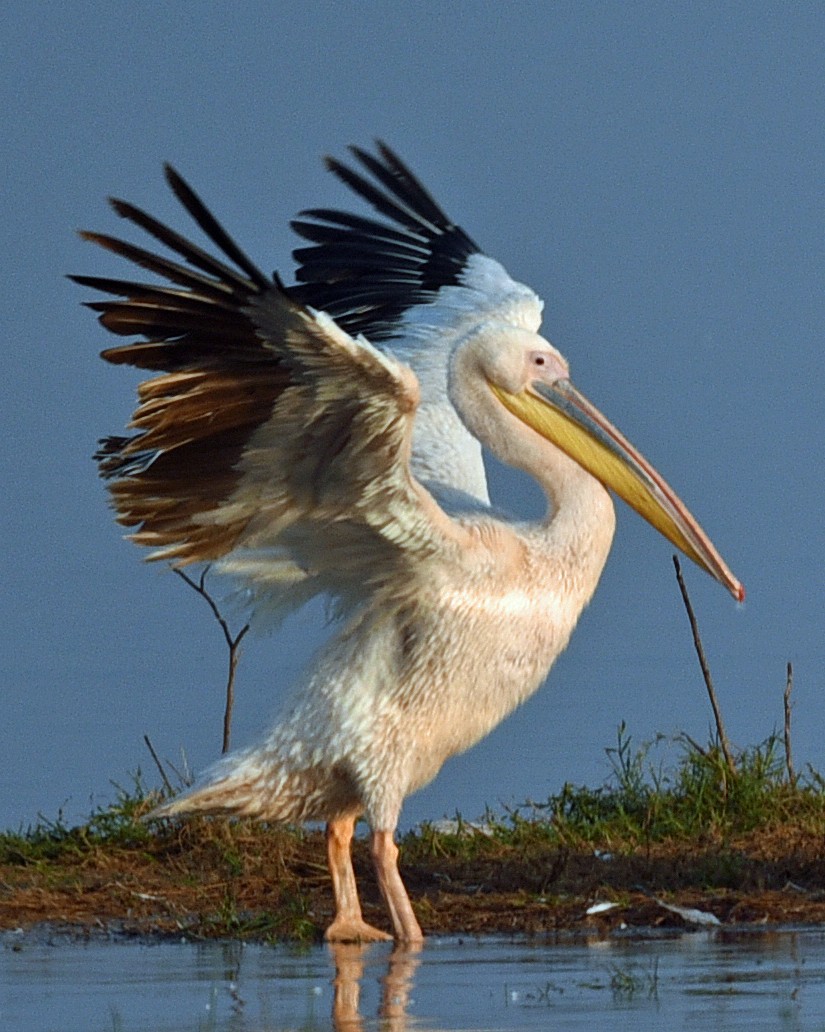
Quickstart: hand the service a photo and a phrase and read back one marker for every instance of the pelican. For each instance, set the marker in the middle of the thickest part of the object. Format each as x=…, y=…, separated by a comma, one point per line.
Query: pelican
x=326, y=439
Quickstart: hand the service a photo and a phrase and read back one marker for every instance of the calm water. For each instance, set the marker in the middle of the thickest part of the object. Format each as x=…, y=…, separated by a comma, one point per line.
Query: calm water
x=708, y=980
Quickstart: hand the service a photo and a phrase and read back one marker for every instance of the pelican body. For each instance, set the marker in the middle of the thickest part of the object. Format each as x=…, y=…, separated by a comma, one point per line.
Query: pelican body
x=326, y=438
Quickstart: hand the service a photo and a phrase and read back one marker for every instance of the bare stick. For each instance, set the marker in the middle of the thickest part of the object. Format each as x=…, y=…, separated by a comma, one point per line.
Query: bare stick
x=788, y=754
x=693, y=743
x=700, y=652
x=159, y=765
x=233, y=644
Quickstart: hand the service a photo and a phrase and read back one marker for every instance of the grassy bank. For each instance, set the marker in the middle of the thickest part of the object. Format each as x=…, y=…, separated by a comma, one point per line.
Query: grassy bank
x=744, y=840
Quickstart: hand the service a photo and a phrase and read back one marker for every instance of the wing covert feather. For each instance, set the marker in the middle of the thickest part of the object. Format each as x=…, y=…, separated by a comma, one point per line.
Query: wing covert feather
x=328, y=473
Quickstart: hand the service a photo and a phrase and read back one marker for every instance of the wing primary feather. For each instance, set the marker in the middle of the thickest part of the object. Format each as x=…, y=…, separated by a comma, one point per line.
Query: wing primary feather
x=161, y=266
x=132, y=289
x=210, y=225
x=398, y=179
x=380, y=201
x=181, y=245
x=388, y=267
x=343, y=226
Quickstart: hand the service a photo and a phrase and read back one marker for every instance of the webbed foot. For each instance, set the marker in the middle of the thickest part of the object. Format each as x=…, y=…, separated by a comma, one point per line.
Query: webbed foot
x=354, y=930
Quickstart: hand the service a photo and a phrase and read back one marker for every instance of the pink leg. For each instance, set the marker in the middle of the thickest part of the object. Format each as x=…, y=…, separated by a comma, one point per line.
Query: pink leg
x=385, y=858
x=348, y=925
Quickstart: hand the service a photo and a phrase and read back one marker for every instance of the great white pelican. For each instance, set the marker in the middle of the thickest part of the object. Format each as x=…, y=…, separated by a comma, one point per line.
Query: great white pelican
x=326, y=438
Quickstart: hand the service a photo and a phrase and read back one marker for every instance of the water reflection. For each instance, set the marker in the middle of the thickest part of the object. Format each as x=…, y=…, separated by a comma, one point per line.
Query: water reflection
x=722, y=980
x=396, y=986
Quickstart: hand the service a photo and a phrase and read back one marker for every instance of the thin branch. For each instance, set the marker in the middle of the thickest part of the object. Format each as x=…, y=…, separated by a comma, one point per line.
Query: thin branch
x=787, y=698
x=159, y=765
x=232, y=643
x=693, y=743
x=700, y=652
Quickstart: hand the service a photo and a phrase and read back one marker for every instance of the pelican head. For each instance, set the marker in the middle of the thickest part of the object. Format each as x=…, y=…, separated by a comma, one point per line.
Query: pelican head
x=531, y=379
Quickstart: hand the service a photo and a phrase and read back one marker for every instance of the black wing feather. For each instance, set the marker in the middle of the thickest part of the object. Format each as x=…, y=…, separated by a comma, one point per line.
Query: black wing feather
x=341, y=225
x=366, y=273
x=198, y=318
x=213, y=229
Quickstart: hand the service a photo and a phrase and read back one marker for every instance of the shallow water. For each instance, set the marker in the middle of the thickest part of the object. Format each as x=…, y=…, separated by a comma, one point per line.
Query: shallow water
x=723, y=979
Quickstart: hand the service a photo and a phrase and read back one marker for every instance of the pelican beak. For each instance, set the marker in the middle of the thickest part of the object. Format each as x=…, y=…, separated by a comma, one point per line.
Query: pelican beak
x=563, y=416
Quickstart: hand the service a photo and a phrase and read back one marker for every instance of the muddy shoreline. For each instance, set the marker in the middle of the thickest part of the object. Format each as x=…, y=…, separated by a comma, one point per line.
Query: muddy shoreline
x=207, y=881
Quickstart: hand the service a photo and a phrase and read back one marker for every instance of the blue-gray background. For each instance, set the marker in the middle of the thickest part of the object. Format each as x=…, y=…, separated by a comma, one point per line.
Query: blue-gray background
x=653, y=170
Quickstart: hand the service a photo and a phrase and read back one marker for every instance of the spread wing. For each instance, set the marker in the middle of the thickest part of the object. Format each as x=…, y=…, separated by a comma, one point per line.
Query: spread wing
x=271, y=440
x=416, y=281
x=367, y=274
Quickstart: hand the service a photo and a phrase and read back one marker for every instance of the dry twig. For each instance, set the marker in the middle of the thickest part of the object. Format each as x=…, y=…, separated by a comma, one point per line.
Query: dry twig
x=159, y=765
x=700, y=652
x=233, y=644
x=692, y=743
x=788, y=756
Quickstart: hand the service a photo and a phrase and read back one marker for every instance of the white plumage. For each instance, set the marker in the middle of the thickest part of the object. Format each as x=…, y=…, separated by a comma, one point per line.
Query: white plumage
x=326, y=439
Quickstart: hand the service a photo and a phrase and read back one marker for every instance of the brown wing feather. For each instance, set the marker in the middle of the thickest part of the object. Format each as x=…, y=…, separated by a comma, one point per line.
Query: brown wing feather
x=199, y=423
x=172, y=478
x=271, y=439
